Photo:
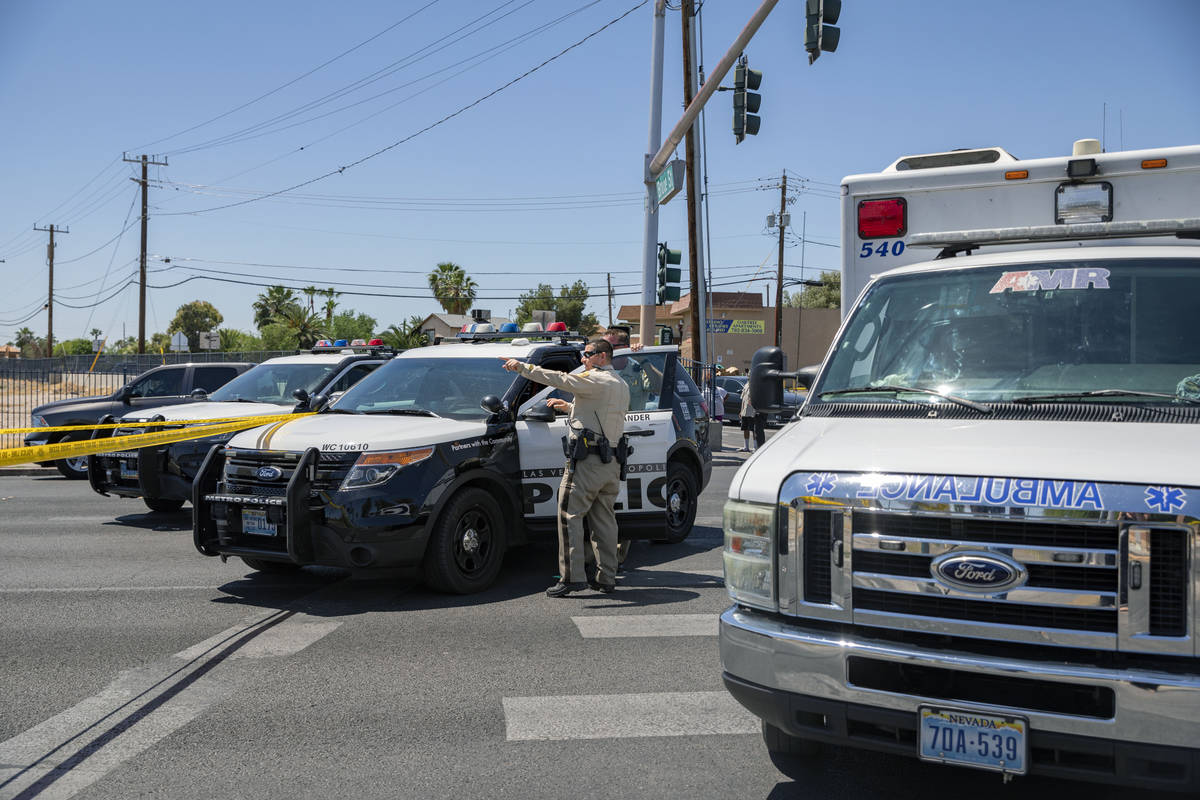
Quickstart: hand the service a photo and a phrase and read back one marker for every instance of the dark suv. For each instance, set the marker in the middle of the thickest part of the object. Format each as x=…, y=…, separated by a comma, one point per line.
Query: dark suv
x=161, y=386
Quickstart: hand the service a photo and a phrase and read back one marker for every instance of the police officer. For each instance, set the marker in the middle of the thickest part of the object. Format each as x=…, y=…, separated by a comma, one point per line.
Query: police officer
x=592, y=475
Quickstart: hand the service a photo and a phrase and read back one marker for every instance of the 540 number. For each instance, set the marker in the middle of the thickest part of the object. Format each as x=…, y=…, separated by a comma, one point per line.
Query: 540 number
x=881, y=249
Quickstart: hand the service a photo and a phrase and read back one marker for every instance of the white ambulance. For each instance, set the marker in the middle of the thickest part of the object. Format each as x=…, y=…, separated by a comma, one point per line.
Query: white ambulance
x=978, y=544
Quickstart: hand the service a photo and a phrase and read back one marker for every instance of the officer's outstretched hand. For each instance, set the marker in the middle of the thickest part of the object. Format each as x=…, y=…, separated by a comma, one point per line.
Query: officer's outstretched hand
x=510, y=364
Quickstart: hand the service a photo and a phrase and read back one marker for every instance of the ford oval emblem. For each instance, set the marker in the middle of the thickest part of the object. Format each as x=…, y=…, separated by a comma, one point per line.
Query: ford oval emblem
x=269, y=473
x=978, y=571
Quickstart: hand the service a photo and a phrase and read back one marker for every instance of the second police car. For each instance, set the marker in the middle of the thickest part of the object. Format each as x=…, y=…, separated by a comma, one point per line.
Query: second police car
x=440, y=460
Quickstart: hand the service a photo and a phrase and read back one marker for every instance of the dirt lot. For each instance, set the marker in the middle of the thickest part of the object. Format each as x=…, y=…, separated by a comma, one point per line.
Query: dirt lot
x=19, y=396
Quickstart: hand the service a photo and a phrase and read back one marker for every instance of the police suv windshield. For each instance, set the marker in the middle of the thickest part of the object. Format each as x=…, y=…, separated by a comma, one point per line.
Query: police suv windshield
x=446, y=387
x=1064, y=331
x=274, y=383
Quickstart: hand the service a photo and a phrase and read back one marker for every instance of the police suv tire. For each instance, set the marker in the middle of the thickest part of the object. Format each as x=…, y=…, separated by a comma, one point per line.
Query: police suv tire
x=792, y=756
x=164, y=505
x=74, y=469
x=682, y=500
x=466, y=549
x=266, y=565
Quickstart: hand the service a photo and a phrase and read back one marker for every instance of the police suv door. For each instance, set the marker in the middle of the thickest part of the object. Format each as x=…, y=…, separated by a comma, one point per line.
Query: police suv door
x=540, y=443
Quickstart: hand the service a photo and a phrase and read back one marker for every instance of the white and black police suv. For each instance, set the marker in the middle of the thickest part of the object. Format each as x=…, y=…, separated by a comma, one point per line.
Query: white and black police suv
x=439, y=460
x=162, y=476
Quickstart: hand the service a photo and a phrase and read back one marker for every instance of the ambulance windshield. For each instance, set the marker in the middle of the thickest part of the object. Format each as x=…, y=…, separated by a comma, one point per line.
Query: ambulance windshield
x=1119, y=327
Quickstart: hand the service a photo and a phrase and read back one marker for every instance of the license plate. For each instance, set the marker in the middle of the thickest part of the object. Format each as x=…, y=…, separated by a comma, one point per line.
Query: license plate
x=254, y=521
x=128, y=471
x=971, y=739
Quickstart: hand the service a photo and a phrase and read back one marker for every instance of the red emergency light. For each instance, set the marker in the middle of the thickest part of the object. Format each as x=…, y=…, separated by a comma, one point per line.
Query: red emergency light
x=880, y=218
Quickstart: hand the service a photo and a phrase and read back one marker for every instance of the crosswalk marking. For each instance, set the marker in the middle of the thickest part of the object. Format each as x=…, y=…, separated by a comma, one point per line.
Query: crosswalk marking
x=607, y=716
x=284, y=639
x=637, y=625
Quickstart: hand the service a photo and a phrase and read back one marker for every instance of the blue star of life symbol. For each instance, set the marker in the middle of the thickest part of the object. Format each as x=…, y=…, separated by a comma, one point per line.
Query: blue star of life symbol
x=821, y=484
x=1165, y=498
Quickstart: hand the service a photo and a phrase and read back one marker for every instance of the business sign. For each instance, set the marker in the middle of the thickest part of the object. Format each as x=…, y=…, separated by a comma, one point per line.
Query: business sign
x=737, y=326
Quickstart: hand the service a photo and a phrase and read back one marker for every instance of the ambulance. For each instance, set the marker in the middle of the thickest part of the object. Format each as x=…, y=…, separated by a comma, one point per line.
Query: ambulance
x=977, y=544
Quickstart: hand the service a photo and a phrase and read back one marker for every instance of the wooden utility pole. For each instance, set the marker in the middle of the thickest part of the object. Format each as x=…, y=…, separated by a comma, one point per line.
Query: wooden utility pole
x=693, y=196
x=51, y=229
x=610, y=319
x=145, y=161
x=779, y=275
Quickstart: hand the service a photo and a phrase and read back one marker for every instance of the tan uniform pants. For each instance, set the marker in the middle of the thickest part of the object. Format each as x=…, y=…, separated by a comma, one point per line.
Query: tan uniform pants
x=588, y=491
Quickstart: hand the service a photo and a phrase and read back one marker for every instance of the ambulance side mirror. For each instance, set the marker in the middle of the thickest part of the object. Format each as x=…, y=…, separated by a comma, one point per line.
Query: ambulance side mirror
x=766, y=380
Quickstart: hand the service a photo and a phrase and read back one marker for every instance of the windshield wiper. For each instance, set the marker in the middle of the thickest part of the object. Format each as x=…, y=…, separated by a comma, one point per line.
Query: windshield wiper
x=893, y=389
x=338, y=411
x=1054, y=398
x=415, y=412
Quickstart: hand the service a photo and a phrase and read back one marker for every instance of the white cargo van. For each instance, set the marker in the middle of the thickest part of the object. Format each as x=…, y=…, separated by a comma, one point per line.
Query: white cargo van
x=978, y=543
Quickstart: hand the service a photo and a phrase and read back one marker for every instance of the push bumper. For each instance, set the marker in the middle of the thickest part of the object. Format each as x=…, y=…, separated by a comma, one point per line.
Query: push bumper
x=1116, y=725
x=294, y=527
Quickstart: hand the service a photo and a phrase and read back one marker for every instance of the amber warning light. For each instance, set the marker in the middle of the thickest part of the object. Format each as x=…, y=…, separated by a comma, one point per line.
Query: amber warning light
x=880, y=218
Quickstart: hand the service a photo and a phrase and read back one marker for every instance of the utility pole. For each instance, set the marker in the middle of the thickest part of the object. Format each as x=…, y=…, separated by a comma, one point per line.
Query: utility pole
x=51, y=229
x=610, y=319
x=145, y=161
x=693, y=197
x=779, y=276
x=648, y=315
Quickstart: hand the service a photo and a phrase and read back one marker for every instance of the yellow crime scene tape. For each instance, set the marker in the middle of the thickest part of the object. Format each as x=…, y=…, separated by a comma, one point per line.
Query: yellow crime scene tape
x=195, y=429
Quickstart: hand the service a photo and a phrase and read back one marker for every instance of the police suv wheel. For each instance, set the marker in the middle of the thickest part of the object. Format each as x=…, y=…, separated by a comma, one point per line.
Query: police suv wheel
x=73, y=468
x=682, y=499
x=466, y=550
x=164, y=505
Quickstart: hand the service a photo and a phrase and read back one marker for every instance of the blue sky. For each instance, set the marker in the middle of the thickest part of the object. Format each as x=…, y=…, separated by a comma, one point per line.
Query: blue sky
x=538, y=183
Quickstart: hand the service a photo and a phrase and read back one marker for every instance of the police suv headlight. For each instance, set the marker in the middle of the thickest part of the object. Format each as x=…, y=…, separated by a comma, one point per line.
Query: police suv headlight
x=39, y=421
x=749, y=553
x=375, y=468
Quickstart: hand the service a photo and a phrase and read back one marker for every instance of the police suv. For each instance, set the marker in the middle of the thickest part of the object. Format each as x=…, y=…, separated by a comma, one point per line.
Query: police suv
x=440, y=460
x=162, y=476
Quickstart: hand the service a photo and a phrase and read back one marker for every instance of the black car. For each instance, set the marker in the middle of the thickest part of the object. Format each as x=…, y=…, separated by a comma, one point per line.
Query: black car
x=161, y=386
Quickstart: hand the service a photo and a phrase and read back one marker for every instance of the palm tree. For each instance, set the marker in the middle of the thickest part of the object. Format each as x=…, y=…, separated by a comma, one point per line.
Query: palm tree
x=305, y=325
x=270, y=305
x=310, y=292
x=451, y=287
x=405, y=335
x=330, y=296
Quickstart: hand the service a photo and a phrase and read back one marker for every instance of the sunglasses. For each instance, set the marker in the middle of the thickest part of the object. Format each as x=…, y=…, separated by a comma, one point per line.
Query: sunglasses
x=589, y=353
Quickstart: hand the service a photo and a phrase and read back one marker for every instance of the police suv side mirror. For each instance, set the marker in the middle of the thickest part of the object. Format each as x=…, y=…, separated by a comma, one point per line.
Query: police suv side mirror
x=540, y=412
x=199, y=393
x=320, y=401
x=766, y=380
x=301, y=396
x=491, y=404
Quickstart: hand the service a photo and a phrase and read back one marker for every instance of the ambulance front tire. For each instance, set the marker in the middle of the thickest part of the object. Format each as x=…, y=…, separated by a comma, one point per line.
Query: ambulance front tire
x=272, y=567
x=466, y=549
x=682, y=500
x=74, y=469
x=163, y=505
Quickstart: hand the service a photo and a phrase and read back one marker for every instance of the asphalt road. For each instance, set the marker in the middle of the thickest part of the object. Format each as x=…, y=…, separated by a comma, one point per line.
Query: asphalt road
x=131, y=666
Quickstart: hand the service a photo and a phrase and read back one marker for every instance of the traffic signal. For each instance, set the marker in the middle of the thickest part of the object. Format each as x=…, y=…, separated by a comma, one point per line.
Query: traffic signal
x=820, y=33
x=745, y=103
x=667, y=274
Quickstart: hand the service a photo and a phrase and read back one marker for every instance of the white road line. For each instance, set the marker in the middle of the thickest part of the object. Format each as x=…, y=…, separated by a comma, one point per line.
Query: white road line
x=636, y=625
x=79, y=746
x=105, y=518
x=616, y=716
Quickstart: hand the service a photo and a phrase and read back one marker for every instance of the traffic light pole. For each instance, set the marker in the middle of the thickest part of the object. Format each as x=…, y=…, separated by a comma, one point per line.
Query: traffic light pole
x=697, y=308
x=648, y=318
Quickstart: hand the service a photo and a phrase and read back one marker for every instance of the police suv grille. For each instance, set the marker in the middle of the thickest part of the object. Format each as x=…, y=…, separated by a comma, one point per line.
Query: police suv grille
x=241, y=471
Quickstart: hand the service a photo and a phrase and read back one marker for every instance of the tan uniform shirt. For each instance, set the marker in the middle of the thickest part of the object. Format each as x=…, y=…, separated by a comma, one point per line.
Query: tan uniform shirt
x=601, y=397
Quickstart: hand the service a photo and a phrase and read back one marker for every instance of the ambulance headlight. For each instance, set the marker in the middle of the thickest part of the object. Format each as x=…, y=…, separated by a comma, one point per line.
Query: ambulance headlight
x=374, y=468
x=748, y=554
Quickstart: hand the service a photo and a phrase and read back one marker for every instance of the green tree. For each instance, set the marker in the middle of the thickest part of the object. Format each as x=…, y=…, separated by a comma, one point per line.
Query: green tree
x=158, y=343
x=350, y=325
x=31, y=346
x=194, y=317
x=406, y=335
x=826, y=295
x=306, y=326
x=234, y=341
x=73, y=347
x=310, y=292
x=330, y=303
x=569, y=306
x=271, y=303
x=125, y=346
x=278, y=336
x=452, y=288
